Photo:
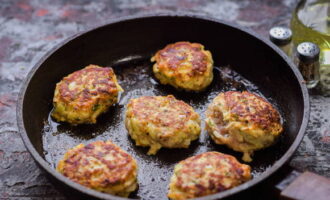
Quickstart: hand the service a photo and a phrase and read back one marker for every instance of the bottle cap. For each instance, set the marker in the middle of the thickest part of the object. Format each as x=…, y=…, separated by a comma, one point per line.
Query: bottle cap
x=280, y=35
x=308, y=52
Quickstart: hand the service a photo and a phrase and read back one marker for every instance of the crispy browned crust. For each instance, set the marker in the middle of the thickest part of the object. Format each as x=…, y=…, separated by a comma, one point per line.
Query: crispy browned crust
x=95, y=81
x=252, y=108
x=184, y=65
x=101, y=166
x=148, y=109
x=161, y=121
x=206, y=174
x=174, y=55
x=243, y=121
x=83, y=95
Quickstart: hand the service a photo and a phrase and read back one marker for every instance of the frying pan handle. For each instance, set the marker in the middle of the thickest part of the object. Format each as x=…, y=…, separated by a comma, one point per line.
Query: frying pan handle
x=304, y=186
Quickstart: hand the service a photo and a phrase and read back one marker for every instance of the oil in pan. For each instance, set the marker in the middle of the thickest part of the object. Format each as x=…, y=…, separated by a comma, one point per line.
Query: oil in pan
x=136, y=77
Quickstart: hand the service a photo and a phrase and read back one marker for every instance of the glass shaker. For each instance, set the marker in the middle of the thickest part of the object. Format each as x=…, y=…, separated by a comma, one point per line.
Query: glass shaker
x=281, y=37
x=307, y=61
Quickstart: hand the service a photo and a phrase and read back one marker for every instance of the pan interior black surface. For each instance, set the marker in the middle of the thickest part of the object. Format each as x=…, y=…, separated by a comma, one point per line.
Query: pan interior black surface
x=242, y=62
x=155, y=171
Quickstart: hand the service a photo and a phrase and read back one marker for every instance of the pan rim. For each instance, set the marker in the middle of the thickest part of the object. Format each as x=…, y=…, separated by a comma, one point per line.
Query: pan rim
x=279, y=163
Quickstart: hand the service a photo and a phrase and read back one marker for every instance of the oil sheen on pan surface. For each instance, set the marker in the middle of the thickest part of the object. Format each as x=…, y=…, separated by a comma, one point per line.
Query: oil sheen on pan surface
x=136, y=78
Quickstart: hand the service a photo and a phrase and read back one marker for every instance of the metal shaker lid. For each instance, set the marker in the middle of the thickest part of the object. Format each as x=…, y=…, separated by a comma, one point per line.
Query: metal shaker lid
x=280, y=35
x=308, y=52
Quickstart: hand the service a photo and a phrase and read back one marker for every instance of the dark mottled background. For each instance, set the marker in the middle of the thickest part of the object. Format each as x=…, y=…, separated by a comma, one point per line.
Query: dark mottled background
x=29, y=28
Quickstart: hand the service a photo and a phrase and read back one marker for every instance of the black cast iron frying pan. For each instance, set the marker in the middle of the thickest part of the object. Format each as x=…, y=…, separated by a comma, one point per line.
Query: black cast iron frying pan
x=243, y=61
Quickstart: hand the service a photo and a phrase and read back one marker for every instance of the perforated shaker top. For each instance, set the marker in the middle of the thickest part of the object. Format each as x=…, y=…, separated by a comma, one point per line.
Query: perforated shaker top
x=308, y=52
x=280, y=35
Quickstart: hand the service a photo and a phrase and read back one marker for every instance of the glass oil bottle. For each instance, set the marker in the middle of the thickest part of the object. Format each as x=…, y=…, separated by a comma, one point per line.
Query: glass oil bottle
x=311, y=22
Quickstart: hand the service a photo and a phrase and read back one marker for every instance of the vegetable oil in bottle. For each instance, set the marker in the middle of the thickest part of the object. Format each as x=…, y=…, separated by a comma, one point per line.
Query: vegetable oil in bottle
x=311, y=22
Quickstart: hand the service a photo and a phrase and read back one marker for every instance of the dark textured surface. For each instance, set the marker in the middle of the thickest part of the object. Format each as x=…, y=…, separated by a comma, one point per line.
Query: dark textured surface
x=135, y=77
x=30, y=28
